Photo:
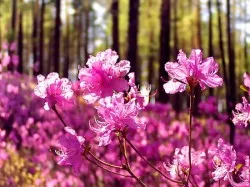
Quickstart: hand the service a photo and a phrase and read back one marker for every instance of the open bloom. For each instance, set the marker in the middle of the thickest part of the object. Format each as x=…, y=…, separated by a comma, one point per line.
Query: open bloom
x=191, y=71
x=103, y=76
x=180, y=164
x=71, y=153
x=242, y=113
x=142, y=98
x=224, y=159
x=54, y=90
x=115, y=115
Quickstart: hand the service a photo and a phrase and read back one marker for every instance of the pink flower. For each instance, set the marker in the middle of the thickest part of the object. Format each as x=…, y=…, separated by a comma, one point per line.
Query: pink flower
x=180, y=164
x=71, y=153
x=224, y=158
x=115, y=115
x=141, y=98
x=54, y=90
x=4, y=58
x=242, y=113
x=103, y=76
x=191, y=71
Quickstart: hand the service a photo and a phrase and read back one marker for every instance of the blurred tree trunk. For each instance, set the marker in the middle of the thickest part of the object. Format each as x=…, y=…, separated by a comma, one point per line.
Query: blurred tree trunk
x=177, y=96
x=66, y=49
x=20, y=41
x=245, y=37
x=51, y=64
x=86, y=4
x=115, y=27
x=221, y=42
x=13, y=19
x=34, y=35
x=79, y=37
x=57, y=37
x=12, y=35
x=41, y=39
x=198, y=44
x=210, y=37
x=151, y=57
x=133, y=37
x=232, y=77
x=164, y=48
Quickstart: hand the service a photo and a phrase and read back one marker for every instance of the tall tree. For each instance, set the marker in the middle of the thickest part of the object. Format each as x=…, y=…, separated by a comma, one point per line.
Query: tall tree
x=210, y=35
x=198, y=44
x=20, y=40
x=13, y=19
x=151, y=57
x=66, y=48
x=86, y=6
x=41, y=38
x=245, y=36
x=177, y=96
x=34, y=35
x=133, y=37
x=232, y=78
x=115, y=27
x=57, y=37
x=164, y=47
x=221, y=42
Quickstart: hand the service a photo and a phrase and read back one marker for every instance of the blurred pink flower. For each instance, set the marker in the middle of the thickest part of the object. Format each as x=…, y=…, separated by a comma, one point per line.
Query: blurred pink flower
x=54, y=90
x=180, y=164
x=115, y=115
x=242, y=113
x=4, y=58
x=15, y=59
x=191, y=71
x=141, y=98
x=71, y=153
x=103, y=76
x=224, y=159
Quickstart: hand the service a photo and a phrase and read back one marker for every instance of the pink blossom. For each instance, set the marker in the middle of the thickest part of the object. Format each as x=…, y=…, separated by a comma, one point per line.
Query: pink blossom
x=224, y=158
x=71, y=153
x=180, y=164
x=242, y=113
x=141, y=98
x=4, y=58
x=103, y=76
x=15, y=59
x=54, y=90
x=115, y=115
x=191, y=71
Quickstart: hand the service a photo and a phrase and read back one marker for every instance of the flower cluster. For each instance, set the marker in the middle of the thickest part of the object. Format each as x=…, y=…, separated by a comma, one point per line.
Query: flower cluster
x=190, y=71
x=103, y=76
x=54, y=90
x=71, y=154
x=115, y=115
x=180, y=165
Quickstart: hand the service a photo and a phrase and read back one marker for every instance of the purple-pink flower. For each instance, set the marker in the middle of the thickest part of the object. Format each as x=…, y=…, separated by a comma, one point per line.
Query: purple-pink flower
x=242, y=113
x=54, y=90
x=224, y=159
x=71, y=152
x=191, y=71
x=141, y=98
x=103, y=76
x=246, y=81
x=115, y=115
x=180, y=164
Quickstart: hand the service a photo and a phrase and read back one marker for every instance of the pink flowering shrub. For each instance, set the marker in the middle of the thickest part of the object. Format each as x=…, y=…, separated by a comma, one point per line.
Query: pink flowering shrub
x=118, y=139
